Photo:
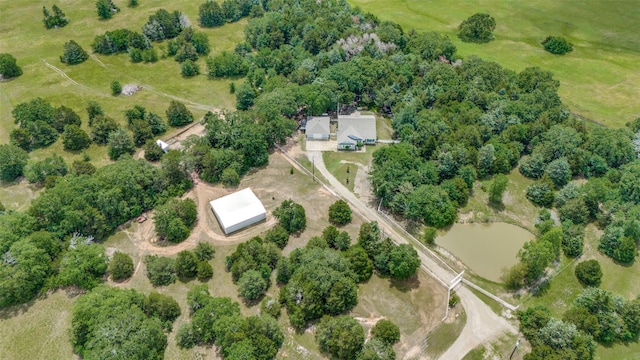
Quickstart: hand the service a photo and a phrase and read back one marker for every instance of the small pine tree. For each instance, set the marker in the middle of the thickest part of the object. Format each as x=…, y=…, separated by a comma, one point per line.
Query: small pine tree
x=116, y=88
x=73, y=53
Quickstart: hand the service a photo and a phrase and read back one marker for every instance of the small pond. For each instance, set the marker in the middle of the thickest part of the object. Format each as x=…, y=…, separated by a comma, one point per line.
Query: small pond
x=485, y=248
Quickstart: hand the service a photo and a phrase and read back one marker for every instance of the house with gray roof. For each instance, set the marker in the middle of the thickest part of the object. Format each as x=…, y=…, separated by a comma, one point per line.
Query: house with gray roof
x=317, y=128
x=356, y=129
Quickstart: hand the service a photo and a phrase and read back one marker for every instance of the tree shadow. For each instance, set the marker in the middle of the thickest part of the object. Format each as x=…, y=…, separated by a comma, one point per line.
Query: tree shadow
x=405, y=285
x=497, y=207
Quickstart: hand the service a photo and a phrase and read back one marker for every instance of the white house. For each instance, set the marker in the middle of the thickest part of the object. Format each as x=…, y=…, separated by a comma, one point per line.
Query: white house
x=238, y=210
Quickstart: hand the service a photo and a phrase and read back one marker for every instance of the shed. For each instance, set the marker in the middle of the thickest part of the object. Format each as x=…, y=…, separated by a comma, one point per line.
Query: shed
x=318, y=128
x=163, y=145
x=238, y=210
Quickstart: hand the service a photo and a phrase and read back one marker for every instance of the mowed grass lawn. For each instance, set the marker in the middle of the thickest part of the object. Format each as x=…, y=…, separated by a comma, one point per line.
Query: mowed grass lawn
x=599, y=79
x=24, y=36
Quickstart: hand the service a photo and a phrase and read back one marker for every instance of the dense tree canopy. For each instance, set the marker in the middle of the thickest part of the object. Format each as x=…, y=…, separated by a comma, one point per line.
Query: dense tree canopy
x=291, y=216
x=477, y=28
x=342, y=337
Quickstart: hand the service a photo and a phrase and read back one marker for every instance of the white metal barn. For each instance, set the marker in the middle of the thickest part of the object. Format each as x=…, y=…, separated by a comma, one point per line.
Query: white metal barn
x=238, y=210
x=163, y=145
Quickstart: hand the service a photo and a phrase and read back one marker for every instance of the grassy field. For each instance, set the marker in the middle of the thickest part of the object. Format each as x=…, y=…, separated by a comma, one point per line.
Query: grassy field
x=599, y=78
x=22, y=24
x=416, y=305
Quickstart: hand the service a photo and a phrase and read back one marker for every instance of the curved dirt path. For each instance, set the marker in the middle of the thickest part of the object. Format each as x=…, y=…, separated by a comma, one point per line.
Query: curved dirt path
x=482, y=323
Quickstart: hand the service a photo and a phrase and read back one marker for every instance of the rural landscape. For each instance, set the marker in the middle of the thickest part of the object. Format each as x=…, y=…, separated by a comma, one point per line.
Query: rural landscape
x=334, y=179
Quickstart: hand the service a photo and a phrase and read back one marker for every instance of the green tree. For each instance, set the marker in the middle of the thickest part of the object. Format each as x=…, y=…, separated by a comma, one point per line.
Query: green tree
x=186, y=337
x=432, y=205
x=174, y=219
x=119, y=142
x=429, y=235
x=270, y=306
x=178, y=114
x=189, y=68
x=58, y=19
x=160, y=270
x=38, y=172
x=359, y=263
x=339, y=213
x=375, y=349
x=106, y=9
x=152, y=151
x=83, y=266
x=204, y=251
x=497, y=187
x=204, y=271
x=540, y=193
x=103, y=126
x=230, y=177
x=559, y=172
x=245, y=96
x=536, y=256
x=116, y=88
x=557, y=45
x=278, y=235
x=74, y=138
x=477, y=28
x=342, y=337
x=291, y=216
x=210, y=14
x=64, y=116
x=12, y=162
x=252, y=285
x=120, y=266
x=163, y=307
x=73, y=53
x=186, y=264
x=589, y=272
x=486, y=158
x=9, y=67
x=403, y=261
x=386, y=331
x=24, y=269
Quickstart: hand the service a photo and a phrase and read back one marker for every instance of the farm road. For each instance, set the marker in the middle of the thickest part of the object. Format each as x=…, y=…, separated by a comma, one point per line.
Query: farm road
x=482, y=323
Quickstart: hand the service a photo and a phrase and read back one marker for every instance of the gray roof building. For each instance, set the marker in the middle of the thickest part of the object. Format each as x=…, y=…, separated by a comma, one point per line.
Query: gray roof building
x=318, y=128
x=356, y=128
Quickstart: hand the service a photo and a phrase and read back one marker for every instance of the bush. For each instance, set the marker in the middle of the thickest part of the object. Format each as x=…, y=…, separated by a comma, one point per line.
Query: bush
x=186, y=337
x=116, y=88
x=189, y=68
x=204, y=251
x=186, y=264
x=589, y=273
x=121, y=266
x=339, y=213
x=541, y=194
x=557, y=45
x=152, y=152
x=12, y=162
x=8, y=66
x=178, y=114
x=342, y=336
x=205, y=271
x=73, y=53
x=270, y=306
x=163, y=307
x=429, y=236
x=251, y=285
x=277, y=235
x=160, y=270
x=74, y=138
x=386, y=331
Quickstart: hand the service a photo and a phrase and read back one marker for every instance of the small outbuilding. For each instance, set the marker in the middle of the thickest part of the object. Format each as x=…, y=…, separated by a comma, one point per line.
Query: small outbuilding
x=163, y=145
x=238, y=210
x=318, y=128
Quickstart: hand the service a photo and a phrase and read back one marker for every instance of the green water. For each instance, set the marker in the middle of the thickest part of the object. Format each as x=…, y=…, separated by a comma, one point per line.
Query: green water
x=485, y=248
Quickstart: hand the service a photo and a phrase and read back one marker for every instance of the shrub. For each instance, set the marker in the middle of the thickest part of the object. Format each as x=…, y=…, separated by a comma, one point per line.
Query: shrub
x=121, y=266
x=189, y=68
x=160, y=270
x=204, y=251
x=589, y=272
x=205, y=271
x=270, y=306
x=291, y=216
x=152, y=152
x=278, y=235
x=8, y=66
x=186, y=264
x=340, y=213
x=557, y=45
x=386, y=331
x=116, y=88
x=429, y=236
x=73, y=53
x=186, y=337
x=251, y=285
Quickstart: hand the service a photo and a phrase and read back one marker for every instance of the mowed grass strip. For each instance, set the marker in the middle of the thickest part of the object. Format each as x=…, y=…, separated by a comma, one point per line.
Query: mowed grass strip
x=37, y=51
x=599, y=78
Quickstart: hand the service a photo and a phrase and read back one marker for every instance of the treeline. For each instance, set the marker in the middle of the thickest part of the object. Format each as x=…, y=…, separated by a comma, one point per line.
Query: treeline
x=52, y=243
